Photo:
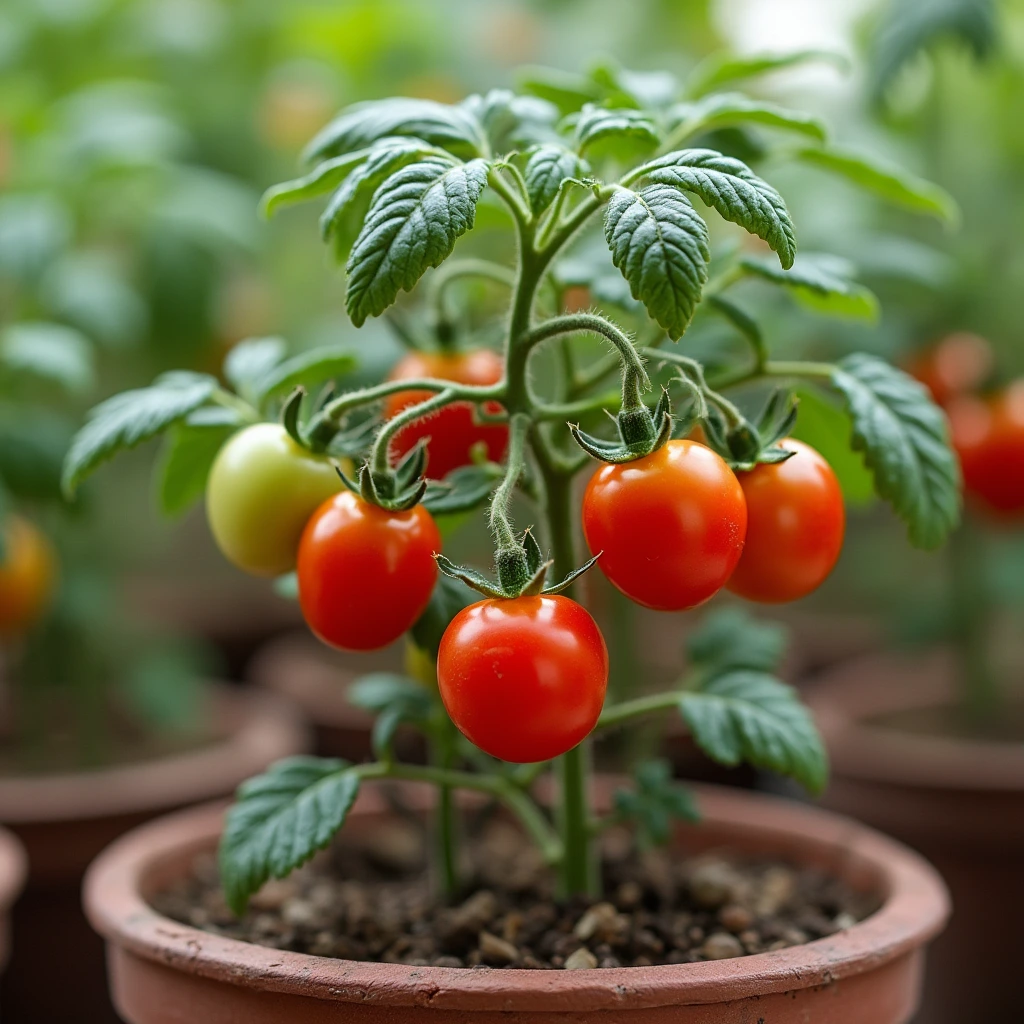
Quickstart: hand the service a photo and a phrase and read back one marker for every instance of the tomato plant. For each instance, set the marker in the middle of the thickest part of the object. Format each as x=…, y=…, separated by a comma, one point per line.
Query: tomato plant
x=524, y=679
x=454, y=430
x=261, y=492
x=28, y=572
x=669, y=527
x=795, y=527
x=365, y=574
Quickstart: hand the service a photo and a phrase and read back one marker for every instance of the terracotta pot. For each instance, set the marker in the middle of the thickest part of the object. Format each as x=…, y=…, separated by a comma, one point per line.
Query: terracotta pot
x=164, y=973
x=960, y=802
x=65, y=820
x=13, y=868
x=317, y=679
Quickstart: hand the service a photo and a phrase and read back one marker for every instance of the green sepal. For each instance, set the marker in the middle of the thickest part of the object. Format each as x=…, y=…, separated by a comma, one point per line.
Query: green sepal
x=572, y=577
x=290, y=416
x=381, y=489
x=633, y=443
x=477, y=580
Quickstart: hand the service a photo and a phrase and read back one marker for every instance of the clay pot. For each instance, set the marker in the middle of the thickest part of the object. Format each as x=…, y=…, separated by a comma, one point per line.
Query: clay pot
x=162, y=972
x=959, y=801
x=13, y=868
x=65, y=820
x=317, y=679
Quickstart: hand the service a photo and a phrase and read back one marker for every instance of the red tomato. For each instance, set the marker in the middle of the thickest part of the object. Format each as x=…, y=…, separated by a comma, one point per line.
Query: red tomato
x=452, y=431
x=795, y=527
x=958, y=364
x=365, y=574
x=988, y=435
x=524, y=679
x=669, y=526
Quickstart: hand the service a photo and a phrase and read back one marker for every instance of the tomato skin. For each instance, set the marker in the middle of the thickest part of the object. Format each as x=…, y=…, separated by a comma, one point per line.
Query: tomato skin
x=452, y=430
x=524, y=678
x=796, y=521
x=669, y=526
x=956, y=365
x=28, y=573
x=262, y=489
x=988, y=436
x=365, y=574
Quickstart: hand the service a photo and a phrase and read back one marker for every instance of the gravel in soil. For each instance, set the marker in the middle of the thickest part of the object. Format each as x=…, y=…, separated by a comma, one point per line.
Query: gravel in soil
x=369, y=898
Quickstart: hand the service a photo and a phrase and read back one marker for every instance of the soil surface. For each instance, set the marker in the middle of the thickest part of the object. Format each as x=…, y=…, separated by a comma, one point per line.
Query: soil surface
x=369, y=898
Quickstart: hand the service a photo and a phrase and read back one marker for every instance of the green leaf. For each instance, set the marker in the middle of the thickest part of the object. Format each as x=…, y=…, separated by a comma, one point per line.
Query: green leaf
x=596, y=124
x=660, y=244
x=250, y=360
x=721, y=68
x=513, y=122
x=567, y=91
x=339, y=219
x=415, y=219
x=732, y=188
x=820, y=282
x=49, y=351
x=730, y=639
x=32, y=446
x=189, y=453
x=307, y=369
x=886, y=181
x=751, y=717
x=324, y=178
x=128, y=419
x=725, y=110
x=462, y=490
x=453, y=128
x=395, y=700
x=546, y=169
x=655, y=803
x=644, y=88
x=449, y=597
x=827, y=428
x=280, y=819
x=905, y=440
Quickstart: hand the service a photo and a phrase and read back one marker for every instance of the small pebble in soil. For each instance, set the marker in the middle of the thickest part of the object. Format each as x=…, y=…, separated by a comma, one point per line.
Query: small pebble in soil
x=369, y=898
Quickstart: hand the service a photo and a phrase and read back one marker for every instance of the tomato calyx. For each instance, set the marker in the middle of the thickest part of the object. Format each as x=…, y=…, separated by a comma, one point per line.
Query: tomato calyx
x=641, y=432
x=743, y=444
x=397, y=489
x=521, y=571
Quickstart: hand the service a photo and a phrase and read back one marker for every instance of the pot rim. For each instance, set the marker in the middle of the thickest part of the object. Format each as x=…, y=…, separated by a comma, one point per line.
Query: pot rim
x=844, y=699
x=257, y=728
x=915, y=909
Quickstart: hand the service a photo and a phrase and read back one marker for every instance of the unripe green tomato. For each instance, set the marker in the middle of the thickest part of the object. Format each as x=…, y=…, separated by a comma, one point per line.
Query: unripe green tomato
x=262, y=489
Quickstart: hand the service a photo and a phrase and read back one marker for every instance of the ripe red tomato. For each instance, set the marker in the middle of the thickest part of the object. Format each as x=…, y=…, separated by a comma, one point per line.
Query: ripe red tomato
x=28, y=572
x=524, y=679
x=988, y=435
x=956, y=365
x=365, y=574
x=669, y=526
x=452, y=431
x=795, y=527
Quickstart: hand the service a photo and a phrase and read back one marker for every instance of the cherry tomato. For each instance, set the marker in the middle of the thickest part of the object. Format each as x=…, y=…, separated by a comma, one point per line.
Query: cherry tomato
x=958, y=364
x=669, y=526
x=452, y=431
x=795, y=526
x=988, y=435
x=524, y=679
x=365, y=574
x=28, y=571
x=262, y=489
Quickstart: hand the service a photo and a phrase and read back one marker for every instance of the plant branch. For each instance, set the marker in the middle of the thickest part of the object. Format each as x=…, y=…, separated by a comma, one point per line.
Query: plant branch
x=454, y=270
x=499, y=521
x=379, y=454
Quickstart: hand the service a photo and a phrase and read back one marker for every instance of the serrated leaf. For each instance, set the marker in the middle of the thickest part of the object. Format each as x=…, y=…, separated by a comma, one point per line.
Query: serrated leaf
x=546, y=169
x=49, y=351
x=339, y=219
x=324, y=178
x=732, y=188
x=280, y=819
x=820, y=282
x=720, y=68
x=307, y=369
x=250, y=360
x=885, y=180
x=188, y=455
x=751, y=717
x=513, y=122
x=414, y=221
x=596, y=124
x=726, y=110
x=660, y=244
x=451, y=127
x=128, y=419
x=730, y=639
x=905, y=440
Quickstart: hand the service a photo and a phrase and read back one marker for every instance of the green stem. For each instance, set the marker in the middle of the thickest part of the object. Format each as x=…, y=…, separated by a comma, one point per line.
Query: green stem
x=570, y=411
x=499, y=521
x=339, y=408
x=777, y=368
x=455, y=270
x=619, y=713
x=382, y=442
